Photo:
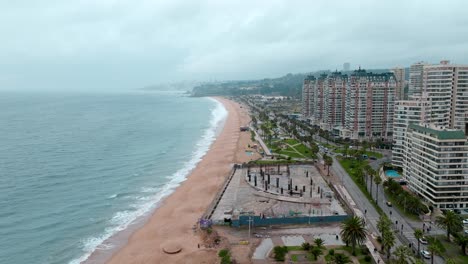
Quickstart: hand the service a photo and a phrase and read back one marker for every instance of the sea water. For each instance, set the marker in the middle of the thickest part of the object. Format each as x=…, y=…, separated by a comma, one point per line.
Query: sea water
x=76, y=169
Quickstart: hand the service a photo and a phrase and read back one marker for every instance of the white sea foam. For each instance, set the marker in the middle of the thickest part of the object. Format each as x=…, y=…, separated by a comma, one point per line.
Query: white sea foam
x=121, y=220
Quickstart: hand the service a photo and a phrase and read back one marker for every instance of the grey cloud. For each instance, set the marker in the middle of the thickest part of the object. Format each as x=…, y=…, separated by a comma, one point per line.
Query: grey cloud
x=126, y=44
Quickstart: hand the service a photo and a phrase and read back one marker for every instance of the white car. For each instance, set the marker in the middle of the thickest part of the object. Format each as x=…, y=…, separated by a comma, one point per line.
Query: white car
x=466, y=231
x=426, y=254
x=465, y=221
x=423, y=240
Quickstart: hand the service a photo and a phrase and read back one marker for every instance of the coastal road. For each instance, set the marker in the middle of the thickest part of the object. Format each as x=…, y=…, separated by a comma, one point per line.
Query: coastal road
x=372, y=216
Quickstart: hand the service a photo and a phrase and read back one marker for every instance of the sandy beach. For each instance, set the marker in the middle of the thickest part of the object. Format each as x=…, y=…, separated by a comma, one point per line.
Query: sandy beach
x=172, y=223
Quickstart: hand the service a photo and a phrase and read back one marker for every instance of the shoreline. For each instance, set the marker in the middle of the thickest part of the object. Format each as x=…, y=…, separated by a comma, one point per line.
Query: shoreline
x=171, y=221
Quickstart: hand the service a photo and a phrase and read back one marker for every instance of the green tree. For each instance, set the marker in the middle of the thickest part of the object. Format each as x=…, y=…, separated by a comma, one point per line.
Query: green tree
x=450, y=261
x=339, y=258
x=383, y=224
x=329, y=162
x=462, y=241
x=359, y=173
x=319, y=242
x=368, y=171
x=345, y=150
x=402, y=254
x=280, y=252
x=225, y=256
x=377, y=181
x=325, y=157
x=450, y=221
x=388, y=241
x=316, y=251
x=305, y=246
x=353, y=231
x=418, y=234
x=435, y=247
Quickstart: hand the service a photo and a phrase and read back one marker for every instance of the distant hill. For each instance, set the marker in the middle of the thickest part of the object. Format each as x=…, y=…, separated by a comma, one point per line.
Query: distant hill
x=175, y=86
x=288, y=85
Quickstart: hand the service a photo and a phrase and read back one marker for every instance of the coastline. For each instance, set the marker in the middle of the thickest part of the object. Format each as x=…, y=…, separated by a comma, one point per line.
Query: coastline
x=172, y=221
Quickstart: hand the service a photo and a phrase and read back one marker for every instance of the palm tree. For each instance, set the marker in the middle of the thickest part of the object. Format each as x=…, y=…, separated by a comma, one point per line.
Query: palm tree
x=359, y=173
x=324, y=157
x=462, y=241
x=368, y=170
x=418, y=234
x=377, y=181
x=319, y=242
x=353, y=231
x=329, y=162
x=316, y=251
x=383, y=224
x=345, y=150
x=402, y=254
x=450, y=221
x=388, y=241
x=339, y=258
x=435, y=247
x=449, y=261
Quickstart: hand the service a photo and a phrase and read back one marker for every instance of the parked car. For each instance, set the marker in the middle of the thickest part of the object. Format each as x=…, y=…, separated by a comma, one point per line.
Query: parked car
x=465, y=221
x=426, y=254
x=423, y=240
x=389, y=204
x=372, y=158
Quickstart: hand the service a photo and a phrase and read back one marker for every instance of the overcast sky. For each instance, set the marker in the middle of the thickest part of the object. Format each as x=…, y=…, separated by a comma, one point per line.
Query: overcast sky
x=109, y=44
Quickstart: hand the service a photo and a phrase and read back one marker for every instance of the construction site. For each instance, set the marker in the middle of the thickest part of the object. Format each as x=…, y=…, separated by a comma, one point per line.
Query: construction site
x=264, y=195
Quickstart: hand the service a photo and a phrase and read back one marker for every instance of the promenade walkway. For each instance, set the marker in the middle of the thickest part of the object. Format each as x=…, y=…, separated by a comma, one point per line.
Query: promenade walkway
x=262, y=144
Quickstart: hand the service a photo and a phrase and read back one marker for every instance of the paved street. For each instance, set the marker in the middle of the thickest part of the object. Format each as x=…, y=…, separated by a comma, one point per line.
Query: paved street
x=372, y=215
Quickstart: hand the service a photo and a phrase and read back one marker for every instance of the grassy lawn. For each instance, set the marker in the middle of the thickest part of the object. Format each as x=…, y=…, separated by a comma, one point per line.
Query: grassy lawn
x=375, y=154
x=368, y=153
x=452, y=250
x=347, y=165
x=294, y=248
x=291, y=153
x=291, y=141
x=401, y=209
x=305, y=151
x=294, y=257
x=294, y=150
x=268, y=162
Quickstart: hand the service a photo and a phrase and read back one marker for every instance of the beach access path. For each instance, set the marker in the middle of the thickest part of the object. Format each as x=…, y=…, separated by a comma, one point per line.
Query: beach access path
x=172, y=222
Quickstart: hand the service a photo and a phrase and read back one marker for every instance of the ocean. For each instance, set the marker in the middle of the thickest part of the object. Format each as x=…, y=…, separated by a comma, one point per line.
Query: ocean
x=76, y=169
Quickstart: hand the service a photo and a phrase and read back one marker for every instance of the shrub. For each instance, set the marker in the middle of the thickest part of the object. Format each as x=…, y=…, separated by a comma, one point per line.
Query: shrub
x=225, y=256
x=305, y=246
x=331, y=252
x=367, y=258
x=280, y=253
x=223, y=252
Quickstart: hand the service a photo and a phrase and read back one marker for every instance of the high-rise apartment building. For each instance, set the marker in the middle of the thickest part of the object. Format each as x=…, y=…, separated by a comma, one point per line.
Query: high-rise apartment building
x=435, y=165
x=308, y=96
x=447, y=87
x=400, y=83
x=319, y=99
x=369, y=105
x=359, y=106
x=334, y=101
x=416, y=78
x=416, y=110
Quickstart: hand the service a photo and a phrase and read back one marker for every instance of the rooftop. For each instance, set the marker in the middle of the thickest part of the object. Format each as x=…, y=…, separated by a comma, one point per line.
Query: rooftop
x=438, y=132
